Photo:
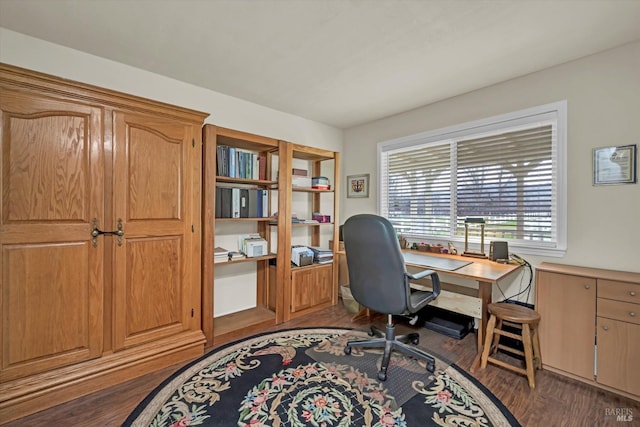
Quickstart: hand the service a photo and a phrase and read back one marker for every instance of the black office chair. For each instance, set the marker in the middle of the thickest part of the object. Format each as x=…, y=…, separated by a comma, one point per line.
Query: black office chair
x=379, y=281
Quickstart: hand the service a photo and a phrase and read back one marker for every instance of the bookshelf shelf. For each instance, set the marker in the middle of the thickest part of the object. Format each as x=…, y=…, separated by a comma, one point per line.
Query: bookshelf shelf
x=310, y=190
x=254, y=182
x=241, y=323
x=247, y=259
x=265, y=219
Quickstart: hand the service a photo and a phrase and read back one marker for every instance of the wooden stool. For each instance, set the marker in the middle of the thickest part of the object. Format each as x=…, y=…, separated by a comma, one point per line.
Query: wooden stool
x=519, y=317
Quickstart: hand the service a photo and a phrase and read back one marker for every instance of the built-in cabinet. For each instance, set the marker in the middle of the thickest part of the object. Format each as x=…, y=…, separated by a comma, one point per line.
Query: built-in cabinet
x=590, y=325
x=99, y=237
x=282, y=291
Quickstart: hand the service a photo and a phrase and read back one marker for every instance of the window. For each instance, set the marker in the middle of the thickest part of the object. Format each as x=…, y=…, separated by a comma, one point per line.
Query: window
x=507, y=169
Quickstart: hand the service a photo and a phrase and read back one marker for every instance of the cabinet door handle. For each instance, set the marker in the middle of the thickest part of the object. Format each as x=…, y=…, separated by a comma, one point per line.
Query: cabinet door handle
x=95, y=232
x=632, y=313
x=605, y=327
x=587, y=286
x=632, y=293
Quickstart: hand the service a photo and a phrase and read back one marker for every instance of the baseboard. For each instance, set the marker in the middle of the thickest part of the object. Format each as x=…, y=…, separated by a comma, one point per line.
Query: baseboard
x=24, y=396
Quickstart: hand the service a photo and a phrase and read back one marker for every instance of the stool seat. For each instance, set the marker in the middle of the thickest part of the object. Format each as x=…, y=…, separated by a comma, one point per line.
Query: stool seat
x=514, y=313
x=520, y=317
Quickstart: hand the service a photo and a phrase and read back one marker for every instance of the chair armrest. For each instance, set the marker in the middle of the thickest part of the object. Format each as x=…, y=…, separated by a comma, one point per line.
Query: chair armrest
x=420, y=274
x=435, y=279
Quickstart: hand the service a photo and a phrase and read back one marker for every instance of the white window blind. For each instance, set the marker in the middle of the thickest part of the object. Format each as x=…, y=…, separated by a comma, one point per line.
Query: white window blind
x=503, y=169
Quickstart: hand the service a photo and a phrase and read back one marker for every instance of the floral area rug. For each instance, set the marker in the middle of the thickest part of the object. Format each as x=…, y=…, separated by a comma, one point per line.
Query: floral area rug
x=301, y=377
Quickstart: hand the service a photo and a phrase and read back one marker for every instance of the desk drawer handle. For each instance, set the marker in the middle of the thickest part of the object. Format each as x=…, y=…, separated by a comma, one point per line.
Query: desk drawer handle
x=632, y=293
x=587, y=286
x=632, y=313
x=606, y=328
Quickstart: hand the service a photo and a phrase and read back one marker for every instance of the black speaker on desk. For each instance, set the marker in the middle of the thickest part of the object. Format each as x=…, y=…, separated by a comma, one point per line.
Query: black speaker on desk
x=498, y=250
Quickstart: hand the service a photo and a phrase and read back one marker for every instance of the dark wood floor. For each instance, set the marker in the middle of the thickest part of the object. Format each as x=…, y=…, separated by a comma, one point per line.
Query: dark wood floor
x=556, y=401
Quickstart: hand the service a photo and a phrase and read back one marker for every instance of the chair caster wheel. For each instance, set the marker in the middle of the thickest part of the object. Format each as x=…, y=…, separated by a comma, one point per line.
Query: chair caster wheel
x=382, y=376
x=347, y=350
x=431, y=366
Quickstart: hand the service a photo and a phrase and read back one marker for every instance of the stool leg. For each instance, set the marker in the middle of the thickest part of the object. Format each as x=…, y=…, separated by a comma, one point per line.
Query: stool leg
x=528, y=356
x=498, y=325
x=536, y=347
x=488, y=340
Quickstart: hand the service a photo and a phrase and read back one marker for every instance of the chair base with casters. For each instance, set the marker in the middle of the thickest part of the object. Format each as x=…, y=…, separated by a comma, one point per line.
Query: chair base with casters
x=390, y=342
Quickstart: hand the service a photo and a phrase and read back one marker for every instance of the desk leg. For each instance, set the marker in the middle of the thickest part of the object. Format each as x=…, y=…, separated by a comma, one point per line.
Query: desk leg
x=484, y=293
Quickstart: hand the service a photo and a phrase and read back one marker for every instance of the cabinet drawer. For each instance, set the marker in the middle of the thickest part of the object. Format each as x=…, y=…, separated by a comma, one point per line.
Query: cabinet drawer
x=623, y=311
x=621, y=291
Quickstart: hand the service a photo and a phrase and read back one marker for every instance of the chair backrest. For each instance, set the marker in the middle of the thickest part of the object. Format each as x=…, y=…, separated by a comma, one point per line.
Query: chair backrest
x=377, y=272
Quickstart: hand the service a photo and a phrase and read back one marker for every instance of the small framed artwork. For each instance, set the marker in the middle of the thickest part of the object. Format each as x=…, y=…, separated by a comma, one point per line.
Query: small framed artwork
x=615, y=165
x=358, y=186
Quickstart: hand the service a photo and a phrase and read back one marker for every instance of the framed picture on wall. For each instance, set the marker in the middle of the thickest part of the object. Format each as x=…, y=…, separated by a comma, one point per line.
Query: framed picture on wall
x=614, y=165
x=358, y=185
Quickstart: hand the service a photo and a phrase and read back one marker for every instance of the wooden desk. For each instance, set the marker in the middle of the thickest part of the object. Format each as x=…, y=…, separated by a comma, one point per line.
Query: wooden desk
x=468, y=301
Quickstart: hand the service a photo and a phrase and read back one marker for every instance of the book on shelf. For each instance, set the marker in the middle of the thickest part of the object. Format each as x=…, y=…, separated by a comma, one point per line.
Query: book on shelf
x=234, y=162
x=232, y=202
x=221, y=254
x=320, y=183
x=262, y=167
x=308, y=221
x=223, y=202
x=265, y=204
x=235, y=202
x=321, y=255
x=301, y=181
x=244, y=203
x=321, y=218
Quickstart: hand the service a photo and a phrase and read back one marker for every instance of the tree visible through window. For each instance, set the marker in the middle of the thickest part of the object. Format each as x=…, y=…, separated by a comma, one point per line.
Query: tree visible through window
x=504, y=170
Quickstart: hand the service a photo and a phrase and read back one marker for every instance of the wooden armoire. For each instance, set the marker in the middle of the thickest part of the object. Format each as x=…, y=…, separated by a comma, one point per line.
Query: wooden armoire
x=99, y=238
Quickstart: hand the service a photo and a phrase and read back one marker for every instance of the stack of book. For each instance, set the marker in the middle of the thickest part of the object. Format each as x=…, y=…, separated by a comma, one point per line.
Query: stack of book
x=320, y=183
x=221, y=254
x=300, y=178
x=322, y=255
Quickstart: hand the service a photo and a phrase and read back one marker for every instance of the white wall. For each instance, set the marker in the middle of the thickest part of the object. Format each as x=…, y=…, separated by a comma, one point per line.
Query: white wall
x=603, y=94
x=27, y=52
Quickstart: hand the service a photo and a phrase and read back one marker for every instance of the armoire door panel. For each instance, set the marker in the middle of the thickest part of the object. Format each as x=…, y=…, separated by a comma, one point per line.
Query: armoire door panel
x=152, y=302
x=52, y=187
x=47, y=179
x=155, y=179
x=50, y=312
x=153, y=165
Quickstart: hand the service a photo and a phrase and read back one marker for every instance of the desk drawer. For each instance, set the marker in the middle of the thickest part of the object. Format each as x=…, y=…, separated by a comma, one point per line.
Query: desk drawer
x=621, y=291
x=617, y=310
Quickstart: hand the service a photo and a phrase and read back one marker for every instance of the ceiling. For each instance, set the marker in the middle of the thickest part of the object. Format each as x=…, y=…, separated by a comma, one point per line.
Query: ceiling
x=339, y=62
